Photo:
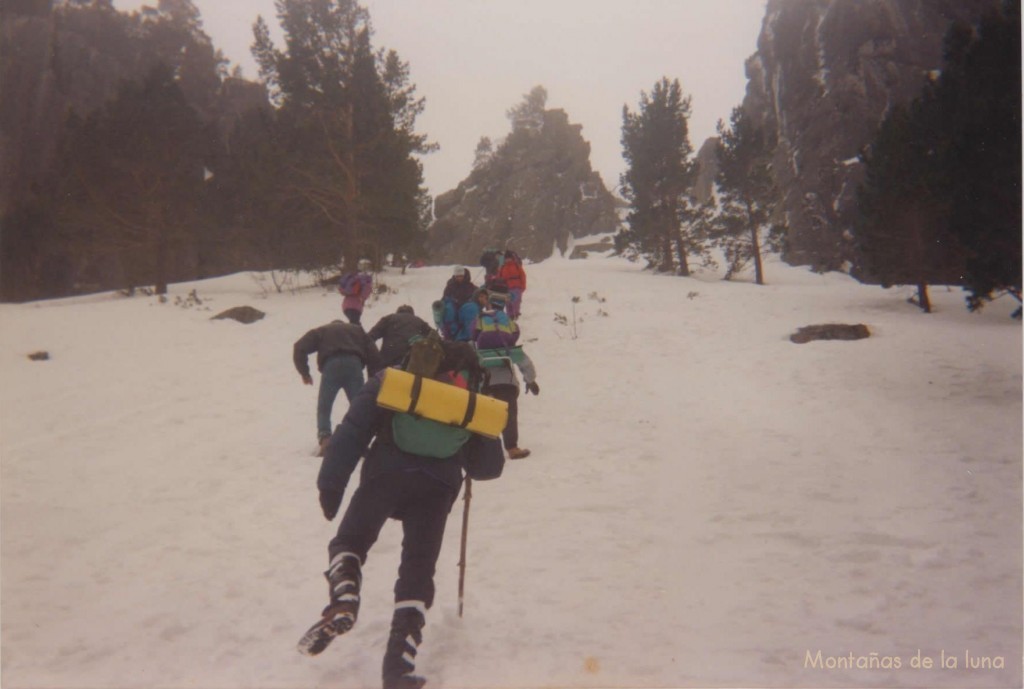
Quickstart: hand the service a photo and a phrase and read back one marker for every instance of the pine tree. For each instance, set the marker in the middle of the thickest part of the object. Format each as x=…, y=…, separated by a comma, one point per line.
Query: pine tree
x=529, y=113
x=131, y=174
x=657, y=149
x=902, y=233
x=483, y=153
x=979, y=94
x=747, y=193
x=348, y=115
x=940, y=202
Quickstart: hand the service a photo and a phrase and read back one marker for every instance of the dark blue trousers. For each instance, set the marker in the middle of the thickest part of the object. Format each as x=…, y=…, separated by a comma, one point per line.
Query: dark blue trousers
x=422, y=504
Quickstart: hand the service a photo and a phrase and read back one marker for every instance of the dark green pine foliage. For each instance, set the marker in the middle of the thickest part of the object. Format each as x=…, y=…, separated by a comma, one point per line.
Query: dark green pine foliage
x=902, y=235
x=980, y=97
x=941, y=199
x=747, y=194
x=255, y=215
x=131, y=182
x=347, y=117
x=656, y=147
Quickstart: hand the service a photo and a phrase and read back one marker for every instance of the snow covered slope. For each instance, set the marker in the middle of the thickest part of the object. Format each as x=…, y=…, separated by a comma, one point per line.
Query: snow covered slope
x=707, y=503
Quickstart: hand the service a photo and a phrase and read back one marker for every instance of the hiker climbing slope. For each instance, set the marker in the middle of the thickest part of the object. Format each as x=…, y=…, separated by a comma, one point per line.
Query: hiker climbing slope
x=342, y=350
x=495, y=337
x=356, y=287
x=412, y=472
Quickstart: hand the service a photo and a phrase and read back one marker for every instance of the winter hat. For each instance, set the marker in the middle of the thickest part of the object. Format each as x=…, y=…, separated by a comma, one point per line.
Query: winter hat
x=405, y=308
x=458, y=271
x=364, y=264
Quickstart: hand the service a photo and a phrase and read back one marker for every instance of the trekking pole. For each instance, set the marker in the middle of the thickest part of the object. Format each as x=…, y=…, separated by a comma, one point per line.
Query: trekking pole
x=462, y=547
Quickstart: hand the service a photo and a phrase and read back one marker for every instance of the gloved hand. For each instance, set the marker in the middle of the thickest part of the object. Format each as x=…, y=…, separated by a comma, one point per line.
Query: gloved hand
x=330, y=501
x=307, y=379
x=533, y=387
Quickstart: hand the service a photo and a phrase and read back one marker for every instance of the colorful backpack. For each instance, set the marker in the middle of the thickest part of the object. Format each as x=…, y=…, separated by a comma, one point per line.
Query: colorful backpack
x=435, y=418
x=350, y=285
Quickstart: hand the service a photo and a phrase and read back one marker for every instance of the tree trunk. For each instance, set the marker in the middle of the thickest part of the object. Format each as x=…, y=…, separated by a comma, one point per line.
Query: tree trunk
x=684, y=265
x=667, y=264
x=755, y=248
x=922, y=297
x=349, y=234
x=676, y=232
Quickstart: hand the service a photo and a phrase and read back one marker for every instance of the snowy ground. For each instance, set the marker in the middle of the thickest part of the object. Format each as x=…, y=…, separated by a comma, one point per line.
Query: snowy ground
x=707, y=503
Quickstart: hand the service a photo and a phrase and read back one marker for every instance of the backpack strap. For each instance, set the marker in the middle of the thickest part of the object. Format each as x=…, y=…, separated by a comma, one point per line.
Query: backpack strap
x=417, y=387
x=470, y=410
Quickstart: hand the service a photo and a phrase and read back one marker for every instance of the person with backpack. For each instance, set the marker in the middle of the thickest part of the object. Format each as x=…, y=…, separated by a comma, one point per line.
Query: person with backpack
x=490, y=260
x=356, y=287
x=403, y=477
x=495, y=336
x=513, y=275
x=342, y=351
x=395, y=330
x=457, y=308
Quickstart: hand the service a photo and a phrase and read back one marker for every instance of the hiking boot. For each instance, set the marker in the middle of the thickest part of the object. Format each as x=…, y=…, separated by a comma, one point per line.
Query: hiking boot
x=344, y=579
x=403, y=642
x=517, y=453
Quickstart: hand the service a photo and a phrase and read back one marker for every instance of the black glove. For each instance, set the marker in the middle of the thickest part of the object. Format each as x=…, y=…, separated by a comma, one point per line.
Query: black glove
x=330, y=501
x=533, y=387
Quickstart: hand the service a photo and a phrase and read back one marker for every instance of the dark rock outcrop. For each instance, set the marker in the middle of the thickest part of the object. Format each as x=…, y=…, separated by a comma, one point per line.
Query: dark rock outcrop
x=707, y=170
x=242, y=314
x=824, y=76
x=830, y=331
x=532, y=194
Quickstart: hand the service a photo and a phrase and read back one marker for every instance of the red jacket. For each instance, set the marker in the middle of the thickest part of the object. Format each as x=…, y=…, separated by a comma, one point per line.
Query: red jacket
x=513, y=274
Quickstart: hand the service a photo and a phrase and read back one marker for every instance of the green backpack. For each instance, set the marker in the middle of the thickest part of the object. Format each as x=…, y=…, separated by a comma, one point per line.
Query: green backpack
x=427, y=438
x=413, y=433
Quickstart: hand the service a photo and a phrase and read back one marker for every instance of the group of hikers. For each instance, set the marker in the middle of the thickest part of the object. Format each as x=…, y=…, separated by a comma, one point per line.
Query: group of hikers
x=456, y=312
x=409, y=477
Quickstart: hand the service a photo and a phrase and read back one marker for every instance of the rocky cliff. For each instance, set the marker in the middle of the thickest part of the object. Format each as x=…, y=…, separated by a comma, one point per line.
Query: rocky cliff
x=532, y=194
x=823, y=77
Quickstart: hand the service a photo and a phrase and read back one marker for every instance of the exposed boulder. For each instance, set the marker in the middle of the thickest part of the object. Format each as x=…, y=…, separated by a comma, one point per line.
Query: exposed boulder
x=583, y=250
x=242, y=314
x=830, y=331
x=824, y=76
x=532, y=194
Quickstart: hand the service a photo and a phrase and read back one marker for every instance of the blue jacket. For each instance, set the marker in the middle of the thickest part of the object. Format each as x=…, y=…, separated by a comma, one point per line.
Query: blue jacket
x=458, y=322
x=365, y=422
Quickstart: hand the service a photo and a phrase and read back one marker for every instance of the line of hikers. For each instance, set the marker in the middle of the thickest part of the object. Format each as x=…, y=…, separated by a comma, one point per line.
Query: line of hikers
x=456, y=312
x=414, y=483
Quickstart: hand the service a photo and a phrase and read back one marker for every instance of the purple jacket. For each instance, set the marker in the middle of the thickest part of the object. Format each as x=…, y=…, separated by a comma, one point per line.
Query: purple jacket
x=356, y=301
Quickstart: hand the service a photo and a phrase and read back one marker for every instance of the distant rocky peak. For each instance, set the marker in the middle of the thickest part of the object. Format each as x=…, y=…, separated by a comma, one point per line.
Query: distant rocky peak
x=531, y=192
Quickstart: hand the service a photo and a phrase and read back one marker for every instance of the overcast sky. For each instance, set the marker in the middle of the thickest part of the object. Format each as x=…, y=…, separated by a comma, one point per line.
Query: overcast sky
x=474, y=59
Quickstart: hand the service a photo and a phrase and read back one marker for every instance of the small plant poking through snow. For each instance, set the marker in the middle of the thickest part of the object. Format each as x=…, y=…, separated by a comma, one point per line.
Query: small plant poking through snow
x=573, y=322
x=191, y=301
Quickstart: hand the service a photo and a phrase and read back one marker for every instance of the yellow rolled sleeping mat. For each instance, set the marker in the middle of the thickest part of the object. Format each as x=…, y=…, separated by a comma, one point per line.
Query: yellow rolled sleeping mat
x=448, y=404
